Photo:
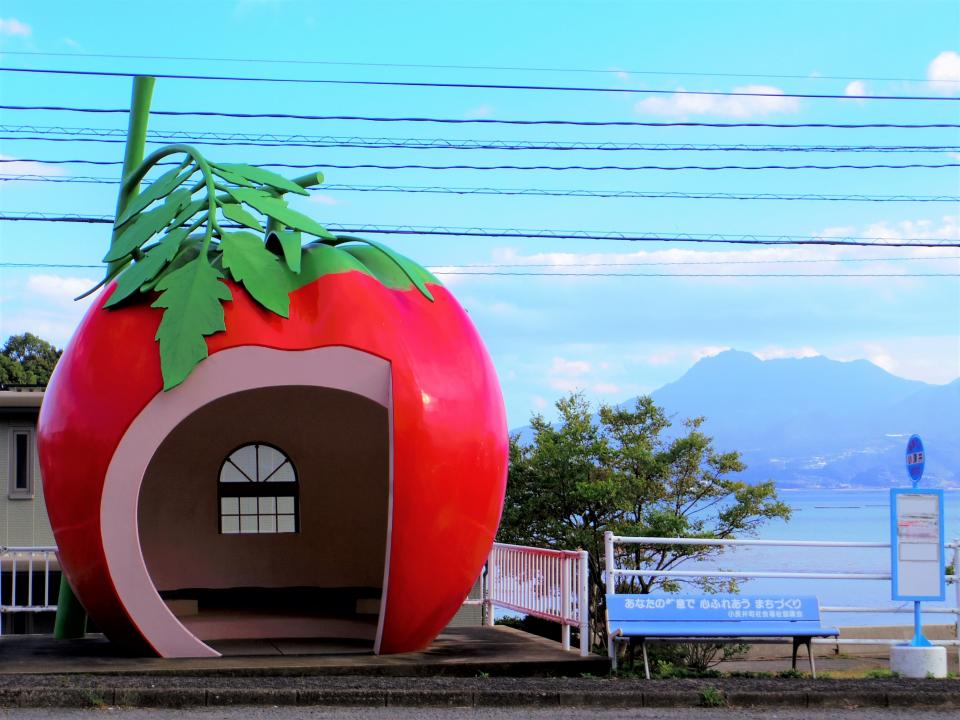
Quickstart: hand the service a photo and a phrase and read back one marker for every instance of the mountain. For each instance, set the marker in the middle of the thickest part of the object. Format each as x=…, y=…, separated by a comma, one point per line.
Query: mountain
x=816, y=422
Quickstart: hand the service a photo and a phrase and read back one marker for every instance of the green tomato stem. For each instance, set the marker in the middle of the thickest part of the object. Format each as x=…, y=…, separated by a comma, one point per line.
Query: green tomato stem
x=136, y=142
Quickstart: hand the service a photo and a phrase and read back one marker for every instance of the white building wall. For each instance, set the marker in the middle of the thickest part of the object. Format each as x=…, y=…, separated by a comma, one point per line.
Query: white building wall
x=23, y=521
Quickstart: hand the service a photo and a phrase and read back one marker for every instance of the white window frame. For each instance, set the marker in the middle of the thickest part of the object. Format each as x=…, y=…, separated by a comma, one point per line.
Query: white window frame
x=13, y=492
x=264, y=495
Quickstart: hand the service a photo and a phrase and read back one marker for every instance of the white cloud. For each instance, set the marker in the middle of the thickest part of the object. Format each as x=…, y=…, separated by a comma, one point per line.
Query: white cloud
x=572, y=375
x=606, y=388
x=662, y=357
x=765, y=259
x=13, y=27
x=569, y=368
x=71, y=43
x=946, y=227
x=27, y=167
x=450, y=276
x=943, y=73
x=879, y=356
x=765, y=102
x=58, y=289
x=856, y=88
x=775, y=352
x=322, y=199
x=479, y=112
x=706, y=351
x=44, y=305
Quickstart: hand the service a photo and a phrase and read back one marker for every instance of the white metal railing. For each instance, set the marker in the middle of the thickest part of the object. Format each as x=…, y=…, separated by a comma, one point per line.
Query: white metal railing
x=613, y=573
x=548, y=584
x=25, y=579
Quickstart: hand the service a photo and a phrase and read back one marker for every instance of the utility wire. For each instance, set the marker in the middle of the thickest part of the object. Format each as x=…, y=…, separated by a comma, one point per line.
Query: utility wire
x=445, y=272
x=772, y=261
x=704, y=275
x=590, y=168
x=471, y=86
x=117, y=136
x=557, y=168
x=481, y=121
x=442, y=268
x=618, y=72
x=712, y=238
x=442, y=190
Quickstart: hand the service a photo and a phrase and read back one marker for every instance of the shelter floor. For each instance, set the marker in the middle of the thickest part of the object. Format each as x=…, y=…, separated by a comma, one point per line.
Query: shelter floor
x=466, y=651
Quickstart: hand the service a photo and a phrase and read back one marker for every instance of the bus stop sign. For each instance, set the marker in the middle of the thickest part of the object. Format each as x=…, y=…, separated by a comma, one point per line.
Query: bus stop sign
x=915, y=459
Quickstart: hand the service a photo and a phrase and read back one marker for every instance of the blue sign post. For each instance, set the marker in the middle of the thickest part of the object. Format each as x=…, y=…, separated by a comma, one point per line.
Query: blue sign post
x=915, y=459
x=916, y=542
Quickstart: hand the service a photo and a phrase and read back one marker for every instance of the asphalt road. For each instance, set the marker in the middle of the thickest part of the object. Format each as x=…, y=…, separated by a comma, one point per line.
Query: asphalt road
x=387, y=713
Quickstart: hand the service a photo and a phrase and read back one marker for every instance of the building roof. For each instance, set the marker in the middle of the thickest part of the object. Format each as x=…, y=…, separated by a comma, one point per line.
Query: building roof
x=20, y=397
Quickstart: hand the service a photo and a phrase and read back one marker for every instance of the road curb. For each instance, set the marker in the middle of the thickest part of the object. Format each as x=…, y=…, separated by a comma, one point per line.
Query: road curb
x=708, y=696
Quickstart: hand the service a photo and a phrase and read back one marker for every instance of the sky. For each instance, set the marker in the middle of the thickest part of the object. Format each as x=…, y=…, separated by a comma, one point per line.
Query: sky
x=636, y=326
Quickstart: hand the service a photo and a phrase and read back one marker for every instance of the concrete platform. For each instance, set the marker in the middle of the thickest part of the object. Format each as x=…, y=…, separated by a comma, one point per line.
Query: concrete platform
x=469, y=652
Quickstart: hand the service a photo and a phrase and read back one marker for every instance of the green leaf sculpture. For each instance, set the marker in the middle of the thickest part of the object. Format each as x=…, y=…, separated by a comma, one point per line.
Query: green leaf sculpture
x=203, y=223
x=191, y=298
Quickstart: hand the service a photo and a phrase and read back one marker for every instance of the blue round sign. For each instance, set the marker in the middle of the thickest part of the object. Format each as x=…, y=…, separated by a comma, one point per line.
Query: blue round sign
x=915, y=458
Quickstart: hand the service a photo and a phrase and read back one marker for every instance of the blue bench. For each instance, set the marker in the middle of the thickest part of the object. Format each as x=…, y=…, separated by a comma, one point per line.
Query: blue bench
x=706, y=618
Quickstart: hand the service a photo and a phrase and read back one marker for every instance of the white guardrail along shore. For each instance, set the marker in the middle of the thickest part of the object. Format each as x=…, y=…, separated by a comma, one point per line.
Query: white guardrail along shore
x=951, y=550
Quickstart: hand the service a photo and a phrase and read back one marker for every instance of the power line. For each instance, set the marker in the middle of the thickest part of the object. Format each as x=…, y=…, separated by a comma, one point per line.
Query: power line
x=591, y=168
x=703, y=275
x=608, y=274
x=444, y=268
x=712, y=238
x=278, y=61
x=118, y=136
x=471, y=86
x=535, y=192
x=554, y=168
x=772, y=261
x=482, y=121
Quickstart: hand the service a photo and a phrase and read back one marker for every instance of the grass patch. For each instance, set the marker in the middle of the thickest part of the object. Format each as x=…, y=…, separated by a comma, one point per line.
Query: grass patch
x=711, y=697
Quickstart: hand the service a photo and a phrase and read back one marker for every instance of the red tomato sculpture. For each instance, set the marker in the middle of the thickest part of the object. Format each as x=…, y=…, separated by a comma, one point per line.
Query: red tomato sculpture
x=449, y=444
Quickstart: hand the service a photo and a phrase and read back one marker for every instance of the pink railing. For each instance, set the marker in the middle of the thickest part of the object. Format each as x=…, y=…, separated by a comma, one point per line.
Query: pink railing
x=548, y=584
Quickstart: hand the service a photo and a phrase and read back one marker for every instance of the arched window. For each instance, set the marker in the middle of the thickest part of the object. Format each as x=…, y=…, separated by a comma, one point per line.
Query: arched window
x=258, y=491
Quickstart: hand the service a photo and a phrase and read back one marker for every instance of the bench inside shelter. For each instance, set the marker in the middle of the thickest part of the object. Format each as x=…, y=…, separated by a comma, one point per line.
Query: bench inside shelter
x=711, y=618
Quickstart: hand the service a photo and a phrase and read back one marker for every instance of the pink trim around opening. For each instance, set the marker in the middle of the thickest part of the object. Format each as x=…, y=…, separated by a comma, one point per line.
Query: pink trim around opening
x=224, y=373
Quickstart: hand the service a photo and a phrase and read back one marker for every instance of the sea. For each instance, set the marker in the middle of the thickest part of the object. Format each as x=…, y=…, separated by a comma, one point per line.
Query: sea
x=854, y=515
x=833, y=515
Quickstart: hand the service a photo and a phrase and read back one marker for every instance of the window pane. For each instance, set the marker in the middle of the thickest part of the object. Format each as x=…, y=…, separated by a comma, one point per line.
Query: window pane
x=246, y=459
x=268, y=524
x=285, y=505
x=248, y=524
x=284, y=474
x=230, y=524
x=248, y=506
x=268, y=505
x=270, y=460
x=230, y=474
x=230, y=506
x=22, y=462
x=285, y=524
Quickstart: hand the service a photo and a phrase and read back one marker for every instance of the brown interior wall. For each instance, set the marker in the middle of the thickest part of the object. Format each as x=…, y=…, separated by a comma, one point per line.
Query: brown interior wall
x=338, y=443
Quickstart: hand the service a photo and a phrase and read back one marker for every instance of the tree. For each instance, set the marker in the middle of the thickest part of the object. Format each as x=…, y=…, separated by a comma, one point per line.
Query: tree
x=623, y=470
x=27, y=360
